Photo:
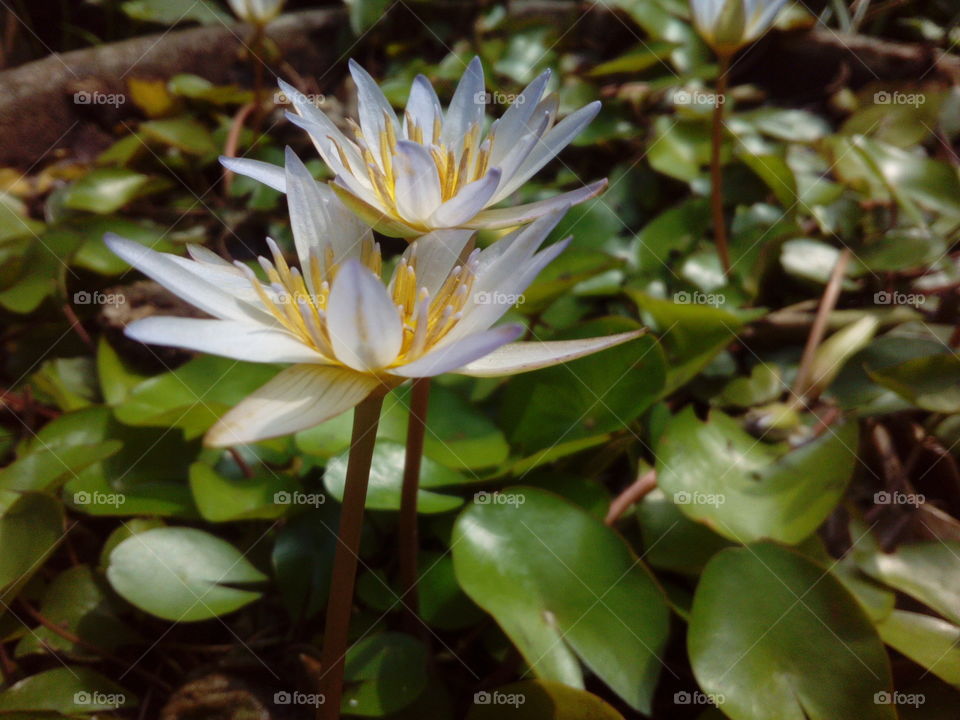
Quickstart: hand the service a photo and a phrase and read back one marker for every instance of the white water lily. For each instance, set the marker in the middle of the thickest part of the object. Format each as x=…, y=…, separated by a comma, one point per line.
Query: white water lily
x=728, y=25
x=256, y=12
x=348, y=334
x=434, y=170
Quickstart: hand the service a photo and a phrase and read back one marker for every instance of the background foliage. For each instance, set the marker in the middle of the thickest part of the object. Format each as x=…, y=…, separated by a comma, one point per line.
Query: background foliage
x=800, y=554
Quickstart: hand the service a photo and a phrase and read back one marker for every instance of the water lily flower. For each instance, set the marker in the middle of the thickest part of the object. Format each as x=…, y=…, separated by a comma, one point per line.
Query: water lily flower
x=256, y=12
x=348, y=334
x=728, y=25
x=433, y=170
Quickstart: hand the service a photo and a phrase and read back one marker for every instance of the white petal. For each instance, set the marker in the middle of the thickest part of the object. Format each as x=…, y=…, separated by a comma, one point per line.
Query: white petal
x=241, y=341
x=525, y=356
x=516, y=120
x=364, y=324
x=263, y=172
x=373, y=108
x=423, y=106
x=453, y=355
x=550, y=144
x=298, y=398
x=321, y=128
x=317, y=216
x=507, y=256
x=467, y=106
x=189, y=285
x=520, y=214
x=208, y=257
x=437, y=253
x=471, y=199
x=519, y=151
x=321, y=140
x=418, y=184
x=478, y=316
x=762, y=17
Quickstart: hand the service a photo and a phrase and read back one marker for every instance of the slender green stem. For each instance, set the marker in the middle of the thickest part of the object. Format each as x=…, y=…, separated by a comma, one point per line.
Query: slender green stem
x=336, y=631
x=716, y=173
x=408, y=544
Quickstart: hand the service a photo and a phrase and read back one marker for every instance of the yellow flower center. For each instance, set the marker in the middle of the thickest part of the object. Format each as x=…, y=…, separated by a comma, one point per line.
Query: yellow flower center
x=426, y=320
x=454, y=170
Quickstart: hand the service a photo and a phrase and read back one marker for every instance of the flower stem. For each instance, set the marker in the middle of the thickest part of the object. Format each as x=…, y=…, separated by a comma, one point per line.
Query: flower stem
x=336, y=631
x=716, y=173
x=408, y=545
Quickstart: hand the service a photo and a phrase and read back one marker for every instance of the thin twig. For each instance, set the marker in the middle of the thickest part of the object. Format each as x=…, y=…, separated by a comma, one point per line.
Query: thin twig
x=631, y=496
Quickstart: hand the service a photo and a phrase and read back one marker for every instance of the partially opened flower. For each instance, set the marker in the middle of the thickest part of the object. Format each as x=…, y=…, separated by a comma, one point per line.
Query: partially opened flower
x=432, y=169
x=728, y=25
x=256, y=12
x=347, y=333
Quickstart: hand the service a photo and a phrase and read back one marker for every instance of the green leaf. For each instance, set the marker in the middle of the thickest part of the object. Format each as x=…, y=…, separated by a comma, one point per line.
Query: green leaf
x=105, y=190
x=198, y=88
x=929, y=572
x=181, y=574
x=183, y=133
x=789, y=125
x=561, y=584
x=539, y=700
x=747, y=490
x=678, y=149
x=672, y=540
x=773, y=636
x=931, y=383
x=116, y=379
x=637, y=60
x=930, y=642
x=77, y=602
x=587, y=397
x=171, y=12
x=386, y=480
x=30, y=530
x=383, y=674
x=221, y=499
x=302, y=559
x=69, y=689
